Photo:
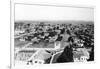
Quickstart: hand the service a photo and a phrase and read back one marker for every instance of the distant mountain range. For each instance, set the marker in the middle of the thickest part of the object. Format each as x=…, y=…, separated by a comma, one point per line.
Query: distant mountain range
x=56, y=22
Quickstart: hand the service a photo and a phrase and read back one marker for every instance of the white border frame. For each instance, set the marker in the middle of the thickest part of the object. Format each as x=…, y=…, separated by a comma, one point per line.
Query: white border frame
x=12, y=19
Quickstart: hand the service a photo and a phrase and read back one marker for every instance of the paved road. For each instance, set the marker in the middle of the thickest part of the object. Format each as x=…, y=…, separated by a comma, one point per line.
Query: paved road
x=23, y=47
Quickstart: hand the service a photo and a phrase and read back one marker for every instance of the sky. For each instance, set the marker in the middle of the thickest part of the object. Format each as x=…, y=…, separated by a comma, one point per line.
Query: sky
x=37, y=12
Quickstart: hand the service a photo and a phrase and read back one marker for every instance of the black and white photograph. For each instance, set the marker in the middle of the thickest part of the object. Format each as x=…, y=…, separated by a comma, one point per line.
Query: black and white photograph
x=53, y=34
